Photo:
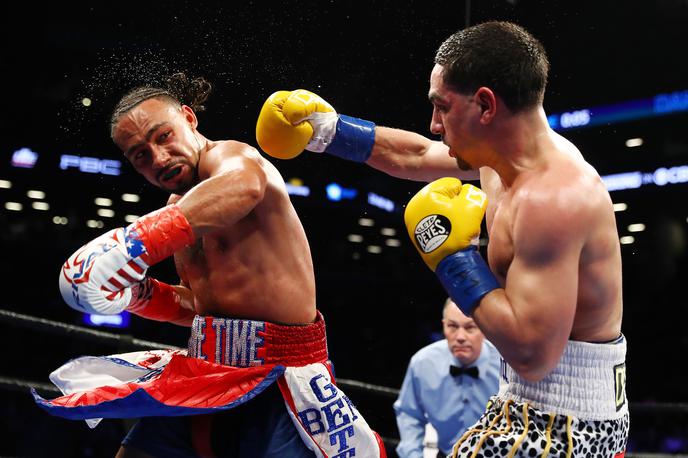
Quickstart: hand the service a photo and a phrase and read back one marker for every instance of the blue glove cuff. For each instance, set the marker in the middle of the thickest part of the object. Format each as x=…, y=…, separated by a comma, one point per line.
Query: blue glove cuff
x=354, y=139
x=467, y=278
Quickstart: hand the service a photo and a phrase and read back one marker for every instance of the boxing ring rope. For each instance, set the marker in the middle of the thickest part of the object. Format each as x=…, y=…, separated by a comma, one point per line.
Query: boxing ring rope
x=15, y=384
x=64, y=329
x=127, y=342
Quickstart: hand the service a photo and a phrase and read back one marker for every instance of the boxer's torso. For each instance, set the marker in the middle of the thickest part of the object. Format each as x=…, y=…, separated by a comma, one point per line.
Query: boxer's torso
x=260, y=267
x=598, y=305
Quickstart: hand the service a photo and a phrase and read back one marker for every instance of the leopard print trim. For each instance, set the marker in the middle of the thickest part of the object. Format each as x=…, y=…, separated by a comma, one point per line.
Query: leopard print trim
x=515, y=429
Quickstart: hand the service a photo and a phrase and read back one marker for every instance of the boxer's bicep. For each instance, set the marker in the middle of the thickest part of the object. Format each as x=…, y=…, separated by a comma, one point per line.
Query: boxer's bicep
x=411, y=156
x=530, y=320
x=235, y=186
x=542, y=281
x=542, y=294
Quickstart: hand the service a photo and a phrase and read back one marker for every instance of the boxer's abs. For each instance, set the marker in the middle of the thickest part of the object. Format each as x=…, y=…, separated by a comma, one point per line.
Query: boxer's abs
x=244, y=273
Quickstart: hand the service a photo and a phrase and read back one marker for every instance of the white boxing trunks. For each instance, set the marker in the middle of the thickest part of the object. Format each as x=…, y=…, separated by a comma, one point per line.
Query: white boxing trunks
x=578, y=410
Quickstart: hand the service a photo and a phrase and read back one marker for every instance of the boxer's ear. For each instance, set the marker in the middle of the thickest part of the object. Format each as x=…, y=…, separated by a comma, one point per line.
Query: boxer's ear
x=190, y=116
x=486, y=99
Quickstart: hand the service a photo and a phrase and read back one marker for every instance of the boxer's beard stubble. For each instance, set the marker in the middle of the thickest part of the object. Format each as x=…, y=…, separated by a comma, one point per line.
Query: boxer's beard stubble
x=463, y=165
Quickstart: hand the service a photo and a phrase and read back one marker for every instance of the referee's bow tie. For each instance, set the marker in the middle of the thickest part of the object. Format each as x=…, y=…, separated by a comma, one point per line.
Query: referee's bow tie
x=470, y=371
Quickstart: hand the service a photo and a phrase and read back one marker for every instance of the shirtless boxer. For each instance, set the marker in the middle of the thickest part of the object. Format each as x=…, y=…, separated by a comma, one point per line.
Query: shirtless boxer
x=550, y=299
x=247, y=291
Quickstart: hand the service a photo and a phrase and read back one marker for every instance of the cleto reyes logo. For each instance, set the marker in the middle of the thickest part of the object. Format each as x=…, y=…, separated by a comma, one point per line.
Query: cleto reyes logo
x=431, y=232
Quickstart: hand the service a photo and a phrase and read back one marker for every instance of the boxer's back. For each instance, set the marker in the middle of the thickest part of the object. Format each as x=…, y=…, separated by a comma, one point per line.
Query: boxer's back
x=599, y=306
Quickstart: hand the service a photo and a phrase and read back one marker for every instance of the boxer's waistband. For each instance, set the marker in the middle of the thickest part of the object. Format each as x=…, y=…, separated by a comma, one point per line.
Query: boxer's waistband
x=588, y=383
x=244, y=343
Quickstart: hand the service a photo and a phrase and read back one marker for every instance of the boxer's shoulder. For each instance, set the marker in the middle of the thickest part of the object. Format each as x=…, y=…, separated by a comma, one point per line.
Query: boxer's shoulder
x=224, y=155
x=229, y=149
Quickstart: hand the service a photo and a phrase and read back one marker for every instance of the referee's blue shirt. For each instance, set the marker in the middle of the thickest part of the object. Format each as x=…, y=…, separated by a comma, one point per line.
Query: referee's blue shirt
x=450, y=404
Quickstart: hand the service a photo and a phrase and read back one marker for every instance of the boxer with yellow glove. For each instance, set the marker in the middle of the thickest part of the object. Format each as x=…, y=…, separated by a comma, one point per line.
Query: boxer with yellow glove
x=291, y=121
x=443, y=220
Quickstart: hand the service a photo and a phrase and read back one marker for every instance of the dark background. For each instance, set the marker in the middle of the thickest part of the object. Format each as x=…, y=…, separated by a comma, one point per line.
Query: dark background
x=371, y=60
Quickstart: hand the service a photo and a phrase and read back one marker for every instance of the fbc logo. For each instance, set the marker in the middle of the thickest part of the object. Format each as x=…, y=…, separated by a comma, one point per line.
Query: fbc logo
x=431, y=232
x=90, y=164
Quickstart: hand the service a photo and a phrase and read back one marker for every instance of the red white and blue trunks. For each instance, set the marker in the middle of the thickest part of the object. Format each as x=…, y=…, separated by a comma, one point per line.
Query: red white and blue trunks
x=228, y=362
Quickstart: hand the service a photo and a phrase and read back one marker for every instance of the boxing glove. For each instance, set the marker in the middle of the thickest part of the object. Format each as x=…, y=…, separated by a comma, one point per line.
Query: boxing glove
x=108, y=274
x=443, y=220
x=291, y=121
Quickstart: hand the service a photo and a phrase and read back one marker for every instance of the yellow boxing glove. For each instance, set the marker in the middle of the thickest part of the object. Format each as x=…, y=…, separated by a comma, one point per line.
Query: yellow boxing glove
x=444, y=217
x=443, y=220
x=282, y=129
x=291, y=121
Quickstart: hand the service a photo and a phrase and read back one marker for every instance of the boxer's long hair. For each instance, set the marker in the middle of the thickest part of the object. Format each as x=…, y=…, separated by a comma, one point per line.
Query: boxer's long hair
x=179, y=89
x=500, y=55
